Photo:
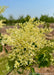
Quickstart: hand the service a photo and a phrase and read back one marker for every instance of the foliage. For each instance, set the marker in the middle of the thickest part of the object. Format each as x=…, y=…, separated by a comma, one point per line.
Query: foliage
x=1, y=23
x=22, y=19
x=3, y=62
x=11, y=19
x=27, y=18
x=2, y=18
x=46, y=18
x=36, y=18
x=2, y=9
x=47, y=25
x=44, y=56
x=28, y=45
x=33, y=72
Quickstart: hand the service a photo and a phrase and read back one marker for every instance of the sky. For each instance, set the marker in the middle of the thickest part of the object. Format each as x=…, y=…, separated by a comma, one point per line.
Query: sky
x=34, y=8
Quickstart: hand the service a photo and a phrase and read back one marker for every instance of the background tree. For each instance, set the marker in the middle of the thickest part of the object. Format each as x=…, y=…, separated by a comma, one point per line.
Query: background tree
x=27, y=18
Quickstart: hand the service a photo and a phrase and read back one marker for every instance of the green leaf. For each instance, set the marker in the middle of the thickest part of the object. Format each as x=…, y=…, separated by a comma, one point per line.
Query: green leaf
x=6, y=50
x=1, y=48
x=32, y=72
x=37, y=74
x=20, y=72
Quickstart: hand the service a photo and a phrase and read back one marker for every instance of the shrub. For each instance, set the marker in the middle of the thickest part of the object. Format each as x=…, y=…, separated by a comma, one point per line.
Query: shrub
x=28, y=44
